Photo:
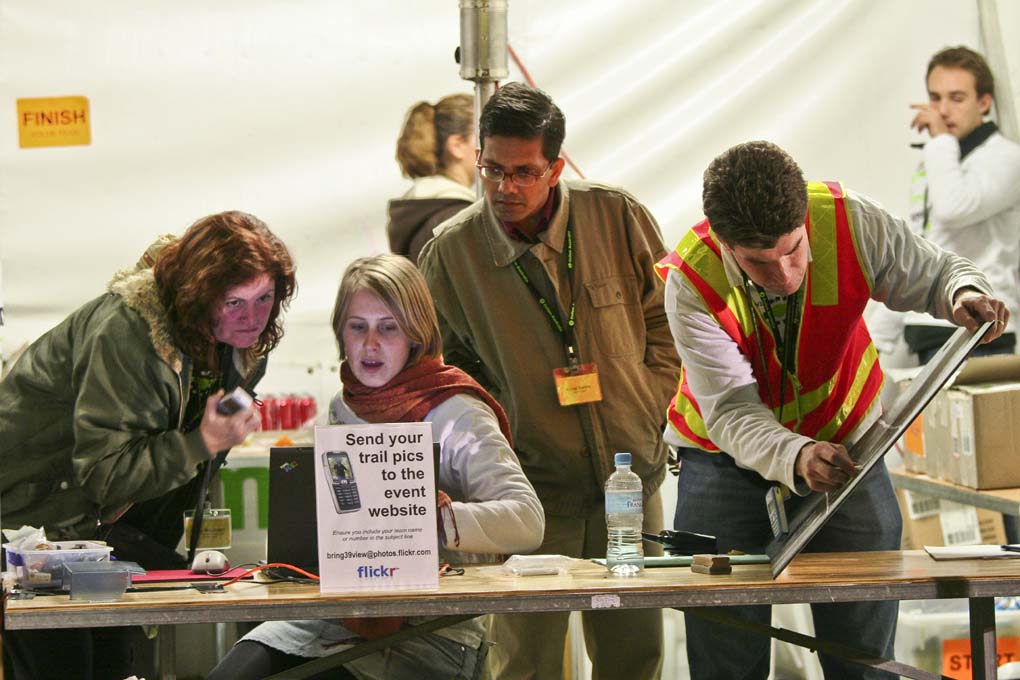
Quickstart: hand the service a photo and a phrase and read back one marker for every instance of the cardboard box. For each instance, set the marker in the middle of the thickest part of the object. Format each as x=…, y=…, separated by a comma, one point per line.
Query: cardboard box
x=910, y=446
x=938, y=442
x=972, y=429
x=932, y=521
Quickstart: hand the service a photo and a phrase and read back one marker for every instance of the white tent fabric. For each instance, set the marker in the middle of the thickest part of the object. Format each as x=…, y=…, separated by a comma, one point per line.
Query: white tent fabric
x=290, y=110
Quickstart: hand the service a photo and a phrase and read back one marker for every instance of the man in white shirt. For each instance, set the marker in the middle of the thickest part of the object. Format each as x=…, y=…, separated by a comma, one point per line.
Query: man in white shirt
x=965, y=196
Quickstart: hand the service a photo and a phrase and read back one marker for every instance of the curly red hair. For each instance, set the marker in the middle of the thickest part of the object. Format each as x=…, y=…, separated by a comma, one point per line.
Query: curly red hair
x=215, y=254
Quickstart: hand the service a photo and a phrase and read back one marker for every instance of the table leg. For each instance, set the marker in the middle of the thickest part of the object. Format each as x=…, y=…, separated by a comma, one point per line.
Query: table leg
x=166, y=642
x=983, y=657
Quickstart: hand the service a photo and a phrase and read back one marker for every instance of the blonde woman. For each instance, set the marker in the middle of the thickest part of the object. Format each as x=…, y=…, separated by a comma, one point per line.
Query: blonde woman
x=393, y=371
x=436, y=149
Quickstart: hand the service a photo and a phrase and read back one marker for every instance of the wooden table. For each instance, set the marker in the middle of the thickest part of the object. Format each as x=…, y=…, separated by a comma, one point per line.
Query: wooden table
x=1005, y=501
x=809, y=578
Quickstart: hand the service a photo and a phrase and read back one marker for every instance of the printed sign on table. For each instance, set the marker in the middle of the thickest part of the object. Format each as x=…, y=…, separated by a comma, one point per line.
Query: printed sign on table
x=376, y=507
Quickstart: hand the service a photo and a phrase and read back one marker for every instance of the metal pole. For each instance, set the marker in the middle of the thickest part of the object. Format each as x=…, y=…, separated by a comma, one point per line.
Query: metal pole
x=995, y=53
x=483, y=50
x=984, y=661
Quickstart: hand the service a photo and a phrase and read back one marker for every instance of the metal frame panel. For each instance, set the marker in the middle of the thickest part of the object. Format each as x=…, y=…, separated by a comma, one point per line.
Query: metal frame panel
x=812, y=515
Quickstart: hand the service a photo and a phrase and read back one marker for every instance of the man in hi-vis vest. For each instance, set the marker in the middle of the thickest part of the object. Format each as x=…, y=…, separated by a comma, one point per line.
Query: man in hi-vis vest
x=765, y=300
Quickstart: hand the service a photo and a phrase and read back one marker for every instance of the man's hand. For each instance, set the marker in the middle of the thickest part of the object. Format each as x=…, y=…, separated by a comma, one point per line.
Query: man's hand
x=971, y=309
x=824, y=466
x=220, y=432
x=928, y=119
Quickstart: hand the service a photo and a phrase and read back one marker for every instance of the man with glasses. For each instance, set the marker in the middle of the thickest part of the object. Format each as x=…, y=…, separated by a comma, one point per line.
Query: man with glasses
x=546, y=294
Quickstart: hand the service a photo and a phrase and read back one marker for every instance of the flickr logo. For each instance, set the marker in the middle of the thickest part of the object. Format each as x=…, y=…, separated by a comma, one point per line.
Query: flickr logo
x=376, y=572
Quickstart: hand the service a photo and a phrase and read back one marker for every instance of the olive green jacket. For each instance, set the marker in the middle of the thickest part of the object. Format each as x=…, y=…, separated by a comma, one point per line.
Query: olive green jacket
x=495, y=330
x=90, y=414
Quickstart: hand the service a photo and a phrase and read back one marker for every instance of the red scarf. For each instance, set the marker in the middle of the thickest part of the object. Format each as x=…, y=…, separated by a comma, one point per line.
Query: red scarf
x=414, y=392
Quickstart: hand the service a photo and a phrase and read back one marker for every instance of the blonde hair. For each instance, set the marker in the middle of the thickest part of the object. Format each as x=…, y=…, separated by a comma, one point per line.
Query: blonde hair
x=421, y=147
x=400, y=285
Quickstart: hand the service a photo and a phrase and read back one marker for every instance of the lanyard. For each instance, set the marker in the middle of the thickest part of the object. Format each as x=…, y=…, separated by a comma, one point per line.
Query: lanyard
x=566, y=331
x=786, y=344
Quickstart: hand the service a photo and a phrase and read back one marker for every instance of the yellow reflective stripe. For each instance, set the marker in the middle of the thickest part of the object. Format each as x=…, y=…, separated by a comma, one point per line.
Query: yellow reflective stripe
x=741, y=308
x=809, y=401
x=864, y=369
x=695, y=253
x=691, y=417
x=824, y=266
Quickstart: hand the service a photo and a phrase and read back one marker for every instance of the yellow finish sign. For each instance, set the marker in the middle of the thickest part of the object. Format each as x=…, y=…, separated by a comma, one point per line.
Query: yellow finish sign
x=54, y=121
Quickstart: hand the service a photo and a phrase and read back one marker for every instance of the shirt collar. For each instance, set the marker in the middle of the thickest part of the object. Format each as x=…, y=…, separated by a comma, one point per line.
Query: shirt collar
x=544, y=217
x=506, y=249
x=976, y=138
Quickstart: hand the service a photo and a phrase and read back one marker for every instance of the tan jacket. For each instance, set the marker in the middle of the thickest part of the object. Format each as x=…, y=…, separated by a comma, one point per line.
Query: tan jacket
x=494, y=329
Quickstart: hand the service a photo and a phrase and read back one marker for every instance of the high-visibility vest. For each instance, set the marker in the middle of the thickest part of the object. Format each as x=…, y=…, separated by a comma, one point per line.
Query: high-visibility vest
x=837, y=376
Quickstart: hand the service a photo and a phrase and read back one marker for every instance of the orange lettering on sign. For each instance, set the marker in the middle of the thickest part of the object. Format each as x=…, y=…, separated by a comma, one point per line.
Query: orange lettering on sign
x=956, y=656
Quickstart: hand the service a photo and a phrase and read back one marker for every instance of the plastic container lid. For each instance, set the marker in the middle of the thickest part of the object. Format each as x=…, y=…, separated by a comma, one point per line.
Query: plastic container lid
x=622, y=459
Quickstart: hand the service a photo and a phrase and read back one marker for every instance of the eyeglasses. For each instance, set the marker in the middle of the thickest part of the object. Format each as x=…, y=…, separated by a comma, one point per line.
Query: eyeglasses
x=521, y=179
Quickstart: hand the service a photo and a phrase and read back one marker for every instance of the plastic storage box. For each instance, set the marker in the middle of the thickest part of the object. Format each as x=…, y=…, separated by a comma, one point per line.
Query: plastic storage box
x=934, y=635
x=45, y=568
x=103, y=581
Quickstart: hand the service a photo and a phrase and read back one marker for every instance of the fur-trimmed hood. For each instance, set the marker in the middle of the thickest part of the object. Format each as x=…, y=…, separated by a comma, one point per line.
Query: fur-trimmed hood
x=137, y=287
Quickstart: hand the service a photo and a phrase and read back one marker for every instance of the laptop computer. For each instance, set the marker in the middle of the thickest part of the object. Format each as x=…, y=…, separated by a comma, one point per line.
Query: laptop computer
x=292, y=536
x=292, y=532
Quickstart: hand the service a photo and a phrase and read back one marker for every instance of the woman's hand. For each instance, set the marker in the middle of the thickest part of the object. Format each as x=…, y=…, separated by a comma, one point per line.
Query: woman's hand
x=221, y=432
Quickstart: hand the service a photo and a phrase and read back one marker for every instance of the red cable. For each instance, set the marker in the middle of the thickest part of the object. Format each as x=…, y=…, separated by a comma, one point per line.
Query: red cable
x=269, y=566
x=531, y=81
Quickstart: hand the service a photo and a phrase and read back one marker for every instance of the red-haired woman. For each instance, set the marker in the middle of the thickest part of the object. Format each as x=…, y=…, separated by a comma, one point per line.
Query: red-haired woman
x=107, y=419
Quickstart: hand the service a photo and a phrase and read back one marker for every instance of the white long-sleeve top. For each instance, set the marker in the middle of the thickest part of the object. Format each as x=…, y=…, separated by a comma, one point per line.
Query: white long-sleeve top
x=496, y=508
x=495, y=505
x=908, y=273
x=973, y=211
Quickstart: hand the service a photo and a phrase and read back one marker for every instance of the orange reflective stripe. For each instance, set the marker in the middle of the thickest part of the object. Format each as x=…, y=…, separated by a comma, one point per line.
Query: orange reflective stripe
x=671, y=261
x=845, y=225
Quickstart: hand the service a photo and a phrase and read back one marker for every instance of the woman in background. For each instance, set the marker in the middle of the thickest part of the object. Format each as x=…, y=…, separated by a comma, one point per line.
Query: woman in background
x=392, y=371
x=436, y=149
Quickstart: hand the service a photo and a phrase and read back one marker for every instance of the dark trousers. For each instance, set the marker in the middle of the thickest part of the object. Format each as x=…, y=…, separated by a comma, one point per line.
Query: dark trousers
x=250, y=660
x=80, y=653
x=716, y=497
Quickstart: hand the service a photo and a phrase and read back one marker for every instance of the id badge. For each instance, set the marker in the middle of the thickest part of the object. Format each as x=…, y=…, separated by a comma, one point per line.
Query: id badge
x=215, y=532
x=579, y=386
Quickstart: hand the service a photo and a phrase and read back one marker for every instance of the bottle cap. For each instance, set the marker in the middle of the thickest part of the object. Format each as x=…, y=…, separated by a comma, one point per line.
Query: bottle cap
x=621, y=459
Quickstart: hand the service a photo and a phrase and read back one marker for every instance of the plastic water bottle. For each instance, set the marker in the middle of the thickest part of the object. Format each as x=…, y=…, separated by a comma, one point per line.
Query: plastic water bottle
x=625, y=554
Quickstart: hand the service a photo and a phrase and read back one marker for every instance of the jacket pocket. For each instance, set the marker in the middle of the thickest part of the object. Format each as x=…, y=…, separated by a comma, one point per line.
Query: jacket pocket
x=618, y=325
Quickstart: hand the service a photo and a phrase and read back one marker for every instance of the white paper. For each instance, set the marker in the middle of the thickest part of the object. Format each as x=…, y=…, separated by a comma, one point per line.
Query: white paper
x=383, y=535
x=967, y=552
